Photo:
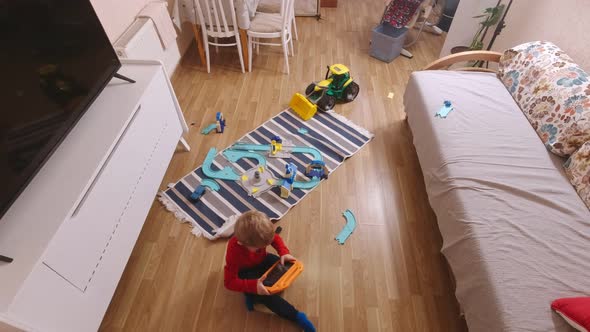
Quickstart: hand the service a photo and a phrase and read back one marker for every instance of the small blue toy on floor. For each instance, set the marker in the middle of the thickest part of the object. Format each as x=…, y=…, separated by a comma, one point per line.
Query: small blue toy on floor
x=220, y=122
x=445, y=110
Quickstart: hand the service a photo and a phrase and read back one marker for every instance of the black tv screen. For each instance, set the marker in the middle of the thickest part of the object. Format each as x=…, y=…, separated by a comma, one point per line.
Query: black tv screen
x=55, y=59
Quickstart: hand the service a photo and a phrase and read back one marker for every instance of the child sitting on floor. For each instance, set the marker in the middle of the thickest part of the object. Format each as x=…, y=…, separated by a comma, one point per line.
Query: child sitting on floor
x=247, y=260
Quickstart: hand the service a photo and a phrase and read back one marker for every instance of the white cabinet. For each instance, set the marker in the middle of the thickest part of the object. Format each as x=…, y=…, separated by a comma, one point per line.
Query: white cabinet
x=99, y=186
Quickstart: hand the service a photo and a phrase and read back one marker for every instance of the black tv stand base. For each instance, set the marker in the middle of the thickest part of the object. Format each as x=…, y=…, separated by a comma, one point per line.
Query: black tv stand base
x=124, y=78
x=5, y=259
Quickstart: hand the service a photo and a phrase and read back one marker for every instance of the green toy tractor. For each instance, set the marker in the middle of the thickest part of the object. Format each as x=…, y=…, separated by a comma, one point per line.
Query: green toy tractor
x=338, y=86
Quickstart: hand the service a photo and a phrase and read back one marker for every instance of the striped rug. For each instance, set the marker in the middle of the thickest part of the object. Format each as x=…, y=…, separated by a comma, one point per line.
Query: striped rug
x=333, y=135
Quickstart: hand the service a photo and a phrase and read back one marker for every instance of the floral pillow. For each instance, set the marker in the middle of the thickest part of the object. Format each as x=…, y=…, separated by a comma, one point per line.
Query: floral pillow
x=577, y=168
x=552, y=92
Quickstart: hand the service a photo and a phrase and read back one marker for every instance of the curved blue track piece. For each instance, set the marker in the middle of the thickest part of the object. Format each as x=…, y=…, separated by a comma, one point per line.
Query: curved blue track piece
x=211, y=184
x=306, y=185
x=348, y=228
x=209, y=129
x=226, y=173
x=235, y=155
x=296, y=149
x=306, y=149
x=250, y=147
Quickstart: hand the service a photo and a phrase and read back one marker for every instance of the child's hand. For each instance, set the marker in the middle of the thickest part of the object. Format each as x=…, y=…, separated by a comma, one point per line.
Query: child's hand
x=287, y=258
x=260, y=288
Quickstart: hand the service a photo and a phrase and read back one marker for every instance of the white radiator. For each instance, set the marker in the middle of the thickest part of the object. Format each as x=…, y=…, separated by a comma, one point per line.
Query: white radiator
x=141, y=41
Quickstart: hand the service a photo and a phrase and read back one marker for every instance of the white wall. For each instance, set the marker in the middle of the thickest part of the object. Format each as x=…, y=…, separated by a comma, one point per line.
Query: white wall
x=464, y=26
x=117, y=15
x=564, y=22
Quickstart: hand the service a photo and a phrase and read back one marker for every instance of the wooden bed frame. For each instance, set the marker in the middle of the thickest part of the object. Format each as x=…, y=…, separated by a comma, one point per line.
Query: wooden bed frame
x=445, y=62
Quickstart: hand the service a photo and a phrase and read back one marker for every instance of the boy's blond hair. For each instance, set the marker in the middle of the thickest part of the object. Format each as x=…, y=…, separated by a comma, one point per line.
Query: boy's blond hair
x=254, y=229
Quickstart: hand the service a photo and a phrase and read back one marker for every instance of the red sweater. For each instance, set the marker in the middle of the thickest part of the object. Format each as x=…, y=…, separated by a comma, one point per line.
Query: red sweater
x=239, y=257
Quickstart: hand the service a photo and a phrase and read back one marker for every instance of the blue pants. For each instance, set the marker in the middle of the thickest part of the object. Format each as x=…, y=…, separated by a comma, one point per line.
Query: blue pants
x=274, y=302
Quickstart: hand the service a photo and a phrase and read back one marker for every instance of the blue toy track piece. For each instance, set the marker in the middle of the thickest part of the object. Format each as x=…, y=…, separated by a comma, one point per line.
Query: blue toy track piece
x=226, y=173
x=250, y=147
x=348, y=228
x=303, y=185
x=235, y=155
x=211, y=184
x=296, y=149
x=306, y=185
x=306, y=149
x=207, y=130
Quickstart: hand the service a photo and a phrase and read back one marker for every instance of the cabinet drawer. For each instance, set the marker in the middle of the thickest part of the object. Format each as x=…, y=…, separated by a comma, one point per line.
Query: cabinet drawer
x=81, y=243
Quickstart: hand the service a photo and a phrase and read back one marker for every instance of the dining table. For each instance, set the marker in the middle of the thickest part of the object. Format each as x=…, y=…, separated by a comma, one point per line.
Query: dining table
x=185, y=11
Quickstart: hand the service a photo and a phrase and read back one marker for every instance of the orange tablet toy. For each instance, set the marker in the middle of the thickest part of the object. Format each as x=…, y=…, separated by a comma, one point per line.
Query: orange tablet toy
x=279, y=277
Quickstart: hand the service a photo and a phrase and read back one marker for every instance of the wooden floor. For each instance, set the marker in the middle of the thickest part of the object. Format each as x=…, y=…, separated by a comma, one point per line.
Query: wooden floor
x=389, y=276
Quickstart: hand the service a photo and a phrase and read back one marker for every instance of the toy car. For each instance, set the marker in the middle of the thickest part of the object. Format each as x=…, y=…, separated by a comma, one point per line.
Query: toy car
x=338, y=86
x=198, y=193
x=317, y=168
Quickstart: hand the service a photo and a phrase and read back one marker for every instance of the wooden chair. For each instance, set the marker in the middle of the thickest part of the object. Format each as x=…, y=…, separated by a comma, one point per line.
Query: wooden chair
x=274, y=6
x=271, y=26
x=446, y=62
x=215, y=24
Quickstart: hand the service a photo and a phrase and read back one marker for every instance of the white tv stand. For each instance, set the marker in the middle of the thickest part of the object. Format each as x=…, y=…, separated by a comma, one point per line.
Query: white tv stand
x=73, y=228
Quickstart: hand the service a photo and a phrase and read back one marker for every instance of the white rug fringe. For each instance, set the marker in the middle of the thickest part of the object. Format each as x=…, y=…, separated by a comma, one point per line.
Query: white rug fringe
x=226, y=230
x=181, y=216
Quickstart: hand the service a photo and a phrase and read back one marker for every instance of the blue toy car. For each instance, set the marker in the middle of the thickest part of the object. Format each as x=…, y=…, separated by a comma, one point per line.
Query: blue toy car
x=198, y=193
x=220, y=122
x=290, y=173
x=318, y=169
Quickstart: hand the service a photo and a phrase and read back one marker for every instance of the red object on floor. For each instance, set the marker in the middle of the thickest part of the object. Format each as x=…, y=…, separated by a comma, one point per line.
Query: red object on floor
x=575, y=310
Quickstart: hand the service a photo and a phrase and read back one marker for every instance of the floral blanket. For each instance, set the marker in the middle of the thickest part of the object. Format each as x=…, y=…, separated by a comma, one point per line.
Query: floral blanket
x=552, y=91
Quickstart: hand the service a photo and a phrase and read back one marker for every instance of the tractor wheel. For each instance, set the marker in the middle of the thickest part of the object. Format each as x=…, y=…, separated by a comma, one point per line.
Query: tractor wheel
x=327, y=103
x=309, y=89
x=351, y=91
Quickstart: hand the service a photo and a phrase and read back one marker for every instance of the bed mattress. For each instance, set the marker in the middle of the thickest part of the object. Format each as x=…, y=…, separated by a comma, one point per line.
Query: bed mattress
x=515, y=232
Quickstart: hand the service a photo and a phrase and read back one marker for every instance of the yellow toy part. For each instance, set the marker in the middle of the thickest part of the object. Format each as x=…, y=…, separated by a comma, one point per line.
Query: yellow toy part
x=323, y=84
x=244, y=178
x=285, y=192
x=270, y=181
x=347, y=82
x=302, y=106
x=339, y=69
x=255, y=190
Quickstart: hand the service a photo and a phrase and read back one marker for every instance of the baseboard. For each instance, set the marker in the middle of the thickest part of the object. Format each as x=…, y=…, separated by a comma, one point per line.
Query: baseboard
x=329, y=3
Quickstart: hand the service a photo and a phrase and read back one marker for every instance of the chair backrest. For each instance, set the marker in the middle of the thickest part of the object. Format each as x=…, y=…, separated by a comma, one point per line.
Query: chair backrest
x=217, y=17
x=287, y=11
